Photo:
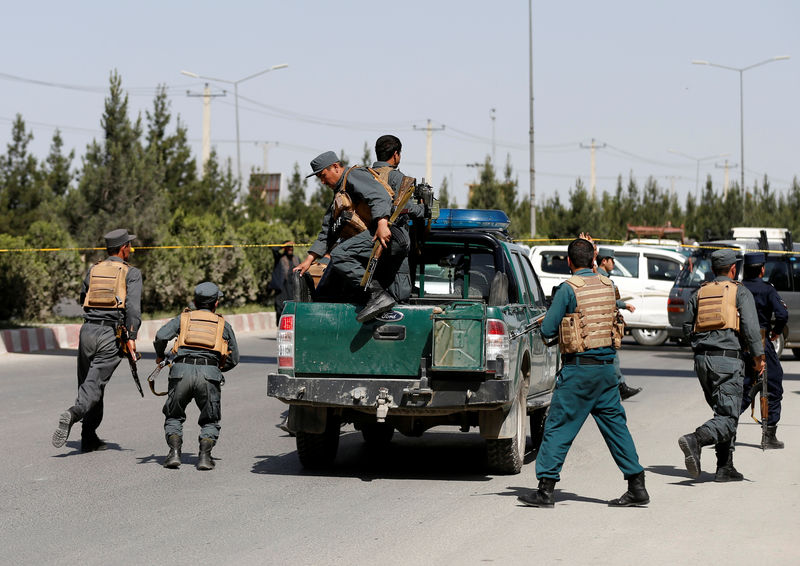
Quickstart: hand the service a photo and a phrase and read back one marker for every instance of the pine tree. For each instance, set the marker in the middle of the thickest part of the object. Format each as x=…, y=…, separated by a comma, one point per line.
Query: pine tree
x=21, y=192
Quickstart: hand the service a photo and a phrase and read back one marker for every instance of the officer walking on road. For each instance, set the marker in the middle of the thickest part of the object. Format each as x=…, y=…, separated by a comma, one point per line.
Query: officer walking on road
x=285, y=261
x=605, y=265
x=583, y=315
x=206, y=347
x=358, y=215
x=720, y=316
x=768, y=304
x=111, y=297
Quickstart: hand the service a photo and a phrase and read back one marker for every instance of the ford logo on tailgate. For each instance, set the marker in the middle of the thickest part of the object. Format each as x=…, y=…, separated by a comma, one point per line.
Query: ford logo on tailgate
x=391, y=316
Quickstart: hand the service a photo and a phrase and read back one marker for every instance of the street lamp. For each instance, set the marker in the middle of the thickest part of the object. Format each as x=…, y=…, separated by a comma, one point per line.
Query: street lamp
x=236, y=102
x=741, y=71
x=697, y=175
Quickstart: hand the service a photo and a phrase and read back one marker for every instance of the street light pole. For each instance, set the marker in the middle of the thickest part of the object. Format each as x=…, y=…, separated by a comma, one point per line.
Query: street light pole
x=236, y=103
x=741, y=71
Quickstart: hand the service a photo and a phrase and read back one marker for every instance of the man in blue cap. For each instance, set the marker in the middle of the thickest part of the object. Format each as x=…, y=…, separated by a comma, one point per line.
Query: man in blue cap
x=769, y=305
x=205, y=347
x=721, y=315
x=111, y=297
x=357, y=217
x=605, y=265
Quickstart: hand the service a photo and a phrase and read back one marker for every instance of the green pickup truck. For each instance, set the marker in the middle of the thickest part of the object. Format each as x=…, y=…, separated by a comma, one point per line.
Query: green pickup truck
x=465, y=351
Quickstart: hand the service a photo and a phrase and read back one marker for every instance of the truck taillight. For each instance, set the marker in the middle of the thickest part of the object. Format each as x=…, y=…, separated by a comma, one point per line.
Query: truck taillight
x=286, y=342
x=497, y=342
x=675, y=304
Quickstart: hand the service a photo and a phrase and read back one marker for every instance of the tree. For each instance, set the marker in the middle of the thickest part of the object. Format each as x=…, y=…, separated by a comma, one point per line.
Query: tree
x=444, y=195
x=21, y=192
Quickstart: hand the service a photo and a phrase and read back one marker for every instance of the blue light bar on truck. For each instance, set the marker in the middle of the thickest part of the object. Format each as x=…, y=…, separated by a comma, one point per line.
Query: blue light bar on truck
x=460, y=218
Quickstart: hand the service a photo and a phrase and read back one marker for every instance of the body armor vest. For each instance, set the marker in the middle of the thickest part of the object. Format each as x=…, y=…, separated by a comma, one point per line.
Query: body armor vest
x=595, y=322
x=351, y=219
x=107, y=285
x=716, y=307
x=202, y=329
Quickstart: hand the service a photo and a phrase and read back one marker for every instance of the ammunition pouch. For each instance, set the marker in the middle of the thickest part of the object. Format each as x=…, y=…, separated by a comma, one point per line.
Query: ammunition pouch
x=107, y=285
x=716, y=307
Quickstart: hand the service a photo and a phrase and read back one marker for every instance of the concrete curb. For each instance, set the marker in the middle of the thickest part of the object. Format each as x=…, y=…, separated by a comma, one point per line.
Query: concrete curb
x=65, y=336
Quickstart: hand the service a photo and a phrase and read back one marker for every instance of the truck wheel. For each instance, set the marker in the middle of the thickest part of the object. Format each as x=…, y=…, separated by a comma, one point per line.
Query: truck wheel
x=505, y=455
x=538, y=417
x=317, y=450
x=649, y=336
x=377, y=434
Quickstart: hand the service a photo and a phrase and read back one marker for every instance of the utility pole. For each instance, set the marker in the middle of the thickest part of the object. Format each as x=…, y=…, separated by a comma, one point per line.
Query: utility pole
x=207, y=96
x=592, y=147
x=429, y=129
x=494, y=154
x=727, y=167
x=265, y=147
x=530, y=132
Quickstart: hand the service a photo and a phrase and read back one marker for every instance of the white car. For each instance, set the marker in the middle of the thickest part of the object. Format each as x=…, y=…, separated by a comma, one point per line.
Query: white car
x=644, y=276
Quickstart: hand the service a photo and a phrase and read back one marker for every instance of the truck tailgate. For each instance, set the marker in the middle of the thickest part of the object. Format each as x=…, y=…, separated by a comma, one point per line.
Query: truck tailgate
x=329, y=340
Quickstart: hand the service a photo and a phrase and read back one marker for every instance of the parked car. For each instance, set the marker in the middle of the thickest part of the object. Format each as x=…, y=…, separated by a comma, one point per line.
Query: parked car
x=782, y=270
x=643, y=275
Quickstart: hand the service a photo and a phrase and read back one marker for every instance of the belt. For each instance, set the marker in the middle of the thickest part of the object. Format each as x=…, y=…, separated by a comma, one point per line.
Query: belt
x=723, y=353
x=195, y=361
x=111, y=323
x=572, y=360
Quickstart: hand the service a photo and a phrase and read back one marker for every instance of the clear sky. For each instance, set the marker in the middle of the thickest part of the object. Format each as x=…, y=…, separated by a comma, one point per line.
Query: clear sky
x=617, y=71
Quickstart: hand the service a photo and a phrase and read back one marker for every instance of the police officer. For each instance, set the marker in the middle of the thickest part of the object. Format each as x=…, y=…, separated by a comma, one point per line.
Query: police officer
x=768, y=304
x=347, y=234
x=605, y=265
x=285, y=261
x=720, y=315
x=394, y=273
x=111, y=297
x=206, y=347
x=586, y=383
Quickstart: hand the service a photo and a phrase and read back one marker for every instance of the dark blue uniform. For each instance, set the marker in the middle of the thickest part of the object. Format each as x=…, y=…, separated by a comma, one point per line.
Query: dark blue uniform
x=768, y=304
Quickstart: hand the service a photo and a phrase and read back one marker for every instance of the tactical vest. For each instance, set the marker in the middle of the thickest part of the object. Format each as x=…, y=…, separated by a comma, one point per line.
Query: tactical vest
x=354, y=219
x=202, y=329
x=595, y=322
x=716, y=307
x=107, y=285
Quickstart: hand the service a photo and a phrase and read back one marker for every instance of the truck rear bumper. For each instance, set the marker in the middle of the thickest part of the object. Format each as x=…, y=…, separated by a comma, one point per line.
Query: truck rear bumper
x=402, y=396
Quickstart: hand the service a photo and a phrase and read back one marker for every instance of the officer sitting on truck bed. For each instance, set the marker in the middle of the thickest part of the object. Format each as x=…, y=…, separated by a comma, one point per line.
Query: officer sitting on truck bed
x=358, y=215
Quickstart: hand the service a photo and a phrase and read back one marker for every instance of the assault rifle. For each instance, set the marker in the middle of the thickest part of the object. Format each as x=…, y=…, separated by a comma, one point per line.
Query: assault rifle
x=123, y=337
x=536, y=324
x=764, y=400
x=151, y=379
x=407, y=189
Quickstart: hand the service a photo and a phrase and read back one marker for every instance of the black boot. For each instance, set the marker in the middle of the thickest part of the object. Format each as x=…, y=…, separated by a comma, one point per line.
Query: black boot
x=542, y=497
x=769, y=441
x=691, y=444
x=626, y=392
x=635, y=496
x=65, y=422
x=173, y=459
x=90, y=442
x=204, y=460
x=379, y=302
x=725, y=470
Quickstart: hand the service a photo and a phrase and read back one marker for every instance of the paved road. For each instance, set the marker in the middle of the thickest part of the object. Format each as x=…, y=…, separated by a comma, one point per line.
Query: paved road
x=426, y=501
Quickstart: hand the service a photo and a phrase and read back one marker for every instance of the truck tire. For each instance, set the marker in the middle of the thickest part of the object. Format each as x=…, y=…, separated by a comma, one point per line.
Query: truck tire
x=505, y=455
x=538, y=417
x=377, y=434
x=649, y=336
x=778, y=345
x=317, y=450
